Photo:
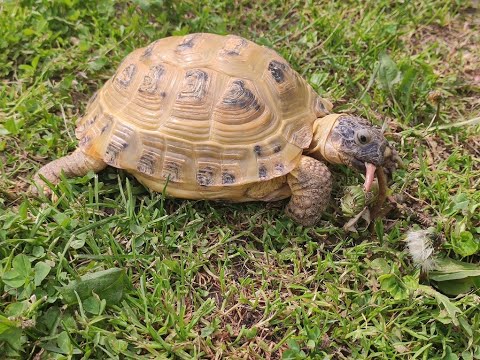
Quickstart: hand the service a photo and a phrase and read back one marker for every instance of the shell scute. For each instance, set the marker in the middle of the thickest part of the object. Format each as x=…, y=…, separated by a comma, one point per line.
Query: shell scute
x=151, y=80
x=202, y=111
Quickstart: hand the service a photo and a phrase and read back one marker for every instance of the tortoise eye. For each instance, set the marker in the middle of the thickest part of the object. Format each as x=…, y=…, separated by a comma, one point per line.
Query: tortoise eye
x=362, y=137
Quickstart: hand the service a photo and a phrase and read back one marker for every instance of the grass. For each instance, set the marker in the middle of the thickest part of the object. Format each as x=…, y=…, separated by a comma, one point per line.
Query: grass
x=195, y=279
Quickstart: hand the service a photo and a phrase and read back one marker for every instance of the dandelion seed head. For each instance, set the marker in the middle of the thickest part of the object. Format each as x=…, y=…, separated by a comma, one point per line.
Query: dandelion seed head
x=420, y=248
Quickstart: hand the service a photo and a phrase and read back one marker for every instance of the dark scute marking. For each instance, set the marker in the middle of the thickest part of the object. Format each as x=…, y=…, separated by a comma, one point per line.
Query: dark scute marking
x=187, y=43
x=277, y=69
x=235, y=51
x=90, y=121
x=277, y=148
x=205, y=176
x=146, y=164
x=171, y=171
x=150, y=81
x=125, y=77
x=228, y=178
x=262, y=172
x=257, y=149
x=80, y=128
x=196, y=81
x=279, y=168
x=108, y=121
x=85, y=140
x=113, y=149
x=92, y=99
x=241, y=97
x=148, y=51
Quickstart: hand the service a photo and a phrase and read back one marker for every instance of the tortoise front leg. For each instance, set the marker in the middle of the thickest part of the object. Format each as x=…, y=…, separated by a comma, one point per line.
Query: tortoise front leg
x=311, y=186
x=74, y=164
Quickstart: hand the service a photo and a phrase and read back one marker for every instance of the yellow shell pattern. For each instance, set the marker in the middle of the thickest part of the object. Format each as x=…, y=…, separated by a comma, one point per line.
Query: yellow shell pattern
x=203, y=111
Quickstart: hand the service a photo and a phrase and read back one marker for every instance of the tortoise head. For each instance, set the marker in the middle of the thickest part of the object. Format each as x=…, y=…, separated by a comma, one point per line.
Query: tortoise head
x=355, y=142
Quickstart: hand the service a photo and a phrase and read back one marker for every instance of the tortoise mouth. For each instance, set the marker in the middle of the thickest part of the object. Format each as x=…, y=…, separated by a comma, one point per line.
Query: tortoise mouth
x=368, y=169
x=358, y=165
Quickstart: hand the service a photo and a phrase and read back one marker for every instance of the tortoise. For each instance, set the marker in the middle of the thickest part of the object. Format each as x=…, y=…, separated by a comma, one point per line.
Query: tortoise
x=206, y=116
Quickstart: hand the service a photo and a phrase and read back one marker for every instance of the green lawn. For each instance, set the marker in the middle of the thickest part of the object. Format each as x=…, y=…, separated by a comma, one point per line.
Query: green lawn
x=196, y=279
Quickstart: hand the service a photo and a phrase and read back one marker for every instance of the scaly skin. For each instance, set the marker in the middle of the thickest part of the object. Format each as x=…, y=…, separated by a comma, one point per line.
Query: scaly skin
x=311, y=186
x=74, y=164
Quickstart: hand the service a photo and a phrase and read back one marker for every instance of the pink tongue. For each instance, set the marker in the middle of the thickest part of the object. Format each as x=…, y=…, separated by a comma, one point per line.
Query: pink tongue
x=369, y=176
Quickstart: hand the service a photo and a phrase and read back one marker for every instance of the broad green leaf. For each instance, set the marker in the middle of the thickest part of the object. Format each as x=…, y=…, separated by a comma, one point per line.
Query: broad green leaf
x=388, y=73
x=35, y=62
x=455, y=287
x=11, y=333
x=380, y=265
x=41, y=271
x=97, y=64
x=460, y=202
x=207, y=331
x=117, y=345
x=107, y=284
x=314, y=333
x=22, y=265
x=13, y=336
x=449, y=355
x=16, y=308
x=14, y=279
x=94, y=305
x=290, y=355
x=172, y=265
x=293, y=345
x=77, y=243
x=10, y=126
x=64, y=343
x=23, y=210
x=62, y=220
x=6, y=324
x=137, y=229
x=294, y=352
x=465, y=325
x=49, y=318
x=407, y=83
x=38, y=251
x=464, y=244
x=411, y=283
x=449, y=269
x=451, y=309
x=318, y=78
x=395, y=286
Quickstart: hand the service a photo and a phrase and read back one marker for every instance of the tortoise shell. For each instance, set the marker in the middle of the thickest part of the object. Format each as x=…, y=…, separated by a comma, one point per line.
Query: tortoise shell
x=202, y=110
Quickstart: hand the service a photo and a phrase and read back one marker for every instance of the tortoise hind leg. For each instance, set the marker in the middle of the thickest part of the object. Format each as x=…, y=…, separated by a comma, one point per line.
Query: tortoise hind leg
x=311, y=186
x=74, y=164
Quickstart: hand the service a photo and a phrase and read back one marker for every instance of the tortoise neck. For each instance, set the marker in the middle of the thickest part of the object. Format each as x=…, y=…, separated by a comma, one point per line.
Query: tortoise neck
x=321, y=147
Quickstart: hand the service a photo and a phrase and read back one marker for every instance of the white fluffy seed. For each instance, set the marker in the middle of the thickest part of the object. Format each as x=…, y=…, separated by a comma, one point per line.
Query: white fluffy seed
x=420, y=248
